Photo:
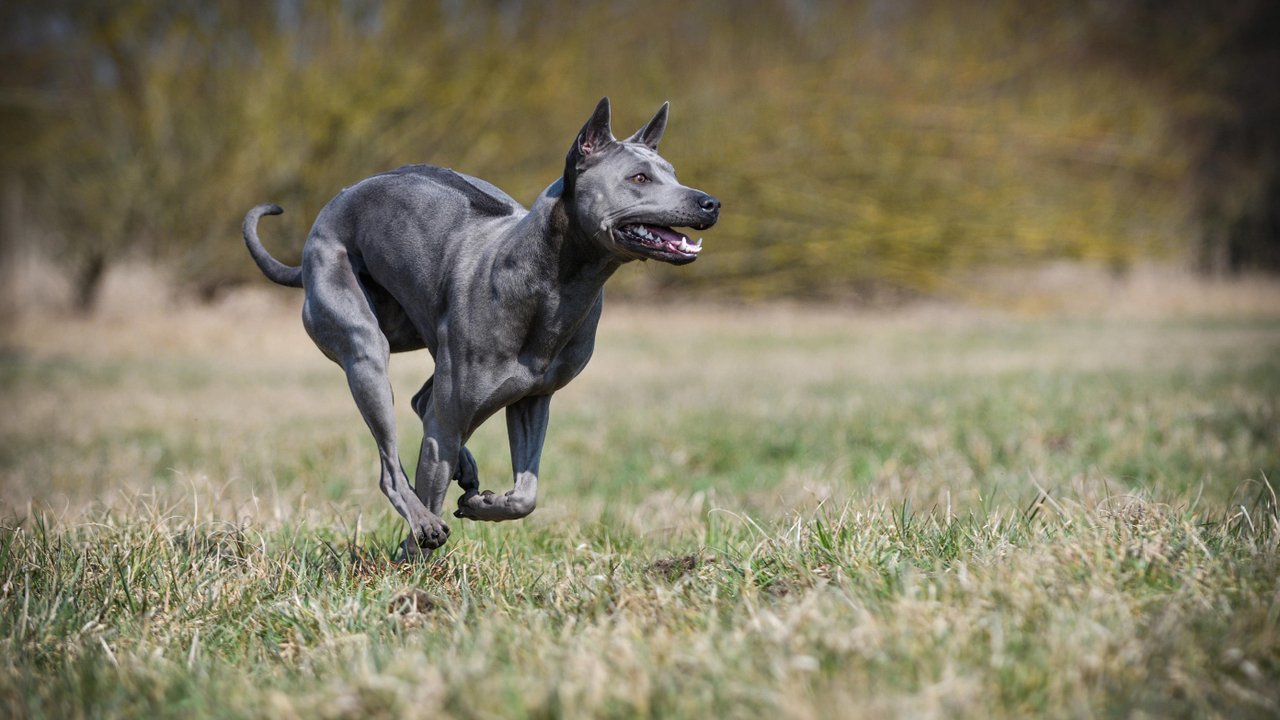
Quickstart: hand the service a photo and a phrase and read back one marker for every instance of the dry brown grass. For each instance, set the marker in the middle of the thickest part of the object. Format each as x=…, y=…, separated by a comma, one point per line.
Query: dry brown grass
x=930, y=511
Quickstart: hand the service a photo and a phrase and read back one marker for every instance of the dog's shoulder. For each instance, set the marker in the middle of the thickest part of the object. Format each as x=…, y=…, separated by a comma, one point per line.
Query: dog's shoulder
x=483, y=197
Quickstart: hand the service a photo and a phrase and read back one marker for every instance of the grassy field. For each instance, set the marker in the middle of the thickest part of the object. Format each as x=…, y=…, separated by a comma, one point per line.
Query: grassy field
x=770, y=511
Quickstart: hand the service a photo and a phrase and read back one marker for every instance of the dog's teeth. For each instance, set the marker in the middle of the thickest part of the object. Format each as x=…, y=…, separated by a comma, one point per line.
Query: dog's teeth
x=698, y=244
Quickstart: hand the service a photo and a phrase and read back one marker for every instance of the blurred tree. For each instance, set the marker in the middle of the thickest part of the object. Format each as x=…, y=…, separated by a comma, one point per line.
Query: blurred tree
x=1220, y=62
x=859, y=148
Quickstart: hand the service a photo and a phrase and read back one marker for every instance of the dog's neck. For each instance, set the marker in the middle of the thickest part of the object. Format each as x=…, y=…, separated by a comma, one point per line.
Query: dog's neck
x=548, y=259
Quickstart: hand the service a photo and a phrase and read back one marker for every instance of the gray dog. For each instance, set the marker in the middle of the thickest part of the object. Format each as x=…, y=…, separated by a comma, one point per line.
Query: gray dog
x=505, y=299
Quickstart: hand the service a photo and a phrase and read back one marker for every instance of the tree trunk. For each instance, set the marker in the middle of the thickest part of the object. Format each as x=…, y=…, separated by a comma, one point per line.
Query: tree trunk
x=89, y=282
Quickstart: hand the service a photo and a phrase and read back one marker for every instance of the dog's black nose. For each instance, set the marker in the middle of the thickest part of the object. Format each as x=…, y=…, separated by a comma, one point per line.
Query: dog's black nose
x=709, y=204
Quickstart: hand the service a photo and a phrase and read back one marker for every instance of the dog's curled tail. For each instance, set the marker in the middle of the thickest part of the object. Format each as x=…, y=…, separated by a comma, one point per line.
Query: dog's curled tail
x=275, y=270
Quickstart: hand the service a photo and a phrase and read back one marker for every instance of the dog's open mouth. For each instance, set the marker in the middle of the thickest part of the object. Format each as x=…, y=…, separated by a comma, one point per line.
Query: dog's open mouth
x=660, y=243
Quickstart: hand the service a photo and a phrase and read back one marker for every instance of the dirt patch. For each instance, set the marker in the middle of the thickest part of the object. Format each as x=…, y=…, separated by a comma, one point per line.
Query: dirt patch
x=410, y=602
x=675, y=567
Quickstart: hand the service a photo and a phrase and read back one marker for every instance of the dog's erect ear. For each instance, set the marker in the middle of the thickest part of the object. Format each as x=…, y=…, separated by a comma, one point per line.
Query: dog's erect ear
x=651, y=134
x=595, y=134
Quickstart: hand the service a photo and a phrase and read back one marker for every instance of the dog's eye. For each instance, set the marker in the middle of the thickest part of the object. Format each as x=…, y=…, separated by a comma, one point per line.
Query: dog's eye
x=640, y=178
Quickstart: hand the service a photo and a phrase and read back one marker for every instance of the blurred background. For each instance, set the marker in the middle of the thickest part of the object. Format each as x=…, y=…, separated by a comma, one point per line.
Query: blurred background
x=863, y=150
x=970, y=407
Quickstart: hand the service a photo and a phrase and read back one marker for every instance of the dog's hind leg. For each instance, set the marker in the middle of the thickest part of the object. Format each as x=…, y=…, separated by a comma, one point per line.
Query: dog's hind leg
x=526, y=430
x=467, y=474
x=337, y=315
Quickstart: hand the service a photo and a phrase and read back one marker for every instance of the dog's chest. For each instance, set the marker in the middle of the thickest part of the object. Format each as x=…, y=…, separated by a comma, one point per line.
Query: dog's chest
x=552, y=354
x=546, y=365
x=544, y=376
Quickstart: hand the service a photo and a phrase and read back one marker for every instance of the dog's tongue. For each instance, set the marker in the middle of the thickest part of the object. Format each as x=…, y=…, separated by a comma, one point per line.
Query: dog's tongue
x=667, y=234
x=673, y=241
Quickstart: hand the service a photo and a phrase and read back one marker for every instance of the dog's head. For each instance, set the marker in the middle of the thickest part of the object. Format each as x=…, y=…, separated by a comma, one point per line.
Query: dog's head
x=625, y=196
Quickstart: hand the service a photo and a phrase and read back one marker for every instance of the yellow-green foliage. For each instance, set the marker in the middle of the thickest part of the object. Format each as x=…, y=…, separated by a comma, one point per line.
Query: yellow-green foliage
x=856, y=146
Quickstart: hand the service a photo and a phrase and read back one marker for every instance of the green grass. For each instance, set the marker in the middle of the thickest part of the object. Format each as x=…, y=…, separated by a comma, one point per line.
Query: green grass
x=777, y=512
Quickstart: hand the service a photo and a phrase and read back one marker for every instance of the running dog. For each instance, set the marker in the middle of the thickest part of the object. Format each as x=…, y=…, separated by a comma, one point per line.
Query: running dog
x=505, y=298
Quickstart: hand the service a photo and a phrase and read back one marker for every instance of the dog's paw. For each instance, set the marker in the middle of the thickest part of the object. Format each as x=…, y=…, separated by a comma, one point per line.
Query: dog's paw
x=474, y=505
x=464, y=505
x=430, y=534
x=488, y=506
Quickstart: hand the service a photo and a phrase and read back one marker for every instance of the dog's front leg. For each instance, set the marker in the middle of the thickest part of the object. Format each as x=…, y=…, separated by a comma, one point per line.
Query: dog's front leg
x=437, y=462
x=465, y=472
x=526, y=429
